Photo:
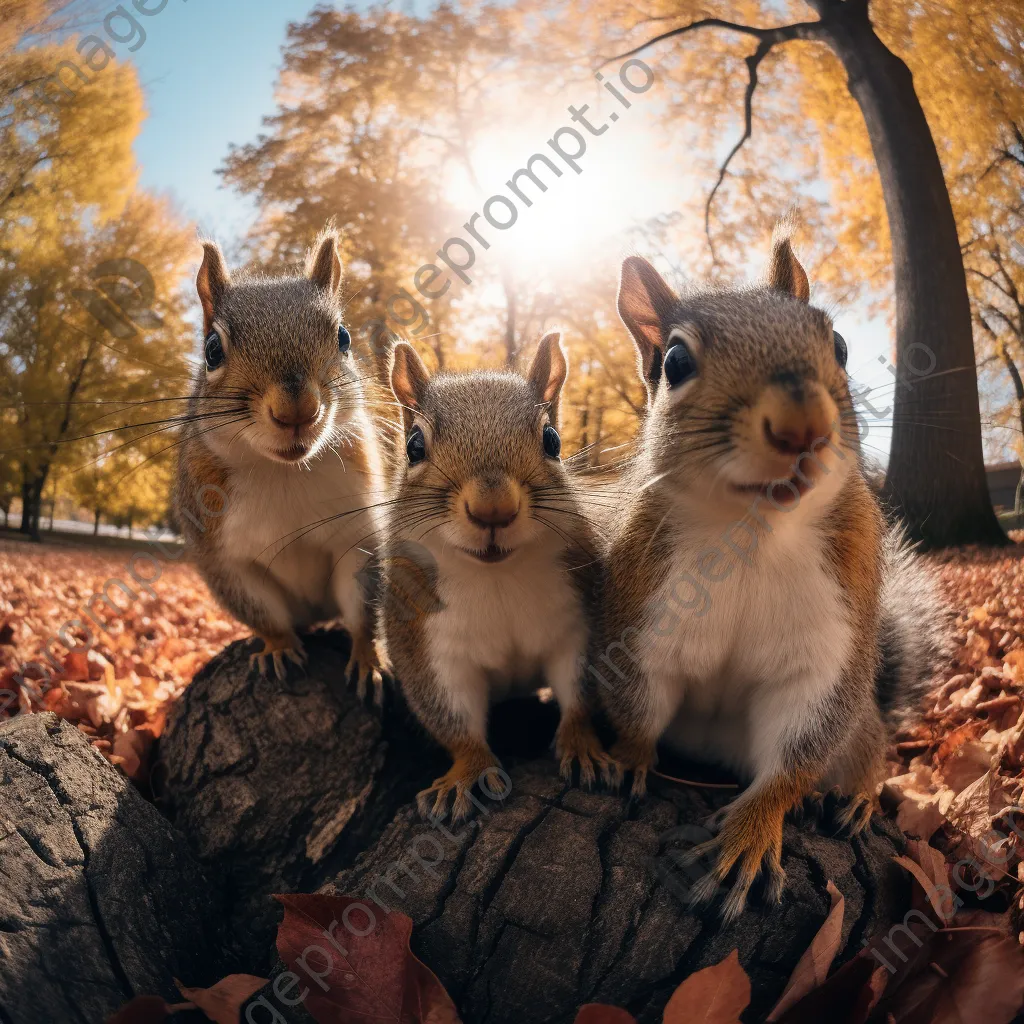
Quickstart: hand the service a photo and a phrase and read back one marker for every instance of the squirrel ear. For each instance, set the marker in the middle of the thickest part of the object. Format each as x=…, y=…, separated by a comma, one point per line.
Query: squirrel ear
x=323, y=265
x=212, y=282
x=784, y=272
x=548, y=372
x=645, y=303
x=409, y=379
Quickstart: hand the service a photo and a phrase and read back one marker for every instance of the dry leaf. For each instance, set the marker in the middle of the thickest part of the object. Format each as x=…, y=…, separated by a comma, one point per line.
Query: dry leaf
x=598, y=1013
x=856, y=987
x=813, y=967
x=714, y=995
x=368, y=976
x=146, y=1010
x=223, y=1002
x=938, y=892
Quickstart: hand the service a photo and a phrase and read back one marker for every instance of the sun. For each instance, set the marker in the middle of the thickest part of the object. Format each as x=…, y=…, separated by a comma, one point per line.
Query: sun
x=541, y=199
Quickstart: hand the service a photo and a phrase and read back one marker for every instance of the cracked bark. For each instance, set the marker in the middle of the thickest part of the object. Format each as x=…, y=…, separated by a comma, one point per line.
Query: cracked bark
x=550, y=899
x=102, y=898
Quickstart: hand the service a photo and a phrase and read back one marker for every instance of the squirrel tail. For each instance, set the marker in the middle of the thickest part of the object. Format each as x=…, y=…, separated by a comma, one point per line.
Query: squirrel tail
x=914, y=630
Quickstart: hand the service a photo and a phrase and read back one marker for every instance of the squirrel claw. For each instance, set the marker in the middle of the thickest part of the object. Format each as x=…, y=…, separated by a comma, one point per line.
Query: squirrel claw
x=364, y=668
x=856, y=815
x=631, y=757
x=457, y=783
x=276, y=649
x=577, y=741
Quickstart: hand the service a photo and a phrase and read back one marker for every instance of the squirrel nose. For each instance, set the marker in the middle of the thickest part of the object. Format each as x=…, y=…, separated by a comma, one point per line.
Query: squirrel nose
x=492, y=507
x=790, y=439
x=288, y=410
x=793, y=425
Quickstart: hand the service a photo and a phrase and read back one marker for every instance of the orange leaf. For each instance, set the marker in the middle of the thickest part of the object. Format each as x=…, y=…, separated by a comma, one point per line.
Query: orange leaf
x=76, y=666
x=812, y=968
x=357, y=963
x=714, y=995
x=141, y=1010
x=598, y=1013
x=928, y=866
x=222, y=1002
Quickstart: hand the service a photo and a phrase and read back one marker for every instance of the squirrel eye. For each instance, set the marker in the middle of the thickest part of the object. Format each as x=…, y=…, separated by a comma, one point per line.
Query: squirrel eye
x=680, y=365
x=416, y=446
x=552, y=442
x=841, y=353
x=344, y=339
x=213, y=351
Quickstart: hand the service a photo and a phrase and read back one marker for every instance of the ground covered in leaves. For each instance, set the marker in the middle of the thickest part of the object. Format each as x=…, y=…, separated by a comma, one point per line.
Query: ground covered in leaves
x=148, y=639
x=957, y=771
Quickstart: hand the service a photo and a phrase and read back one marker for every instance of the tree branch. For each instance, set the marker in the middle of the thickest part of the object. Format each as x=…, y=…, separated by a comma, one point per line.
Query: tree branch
x=767, y=38
x=782, y=34
x=762, y=51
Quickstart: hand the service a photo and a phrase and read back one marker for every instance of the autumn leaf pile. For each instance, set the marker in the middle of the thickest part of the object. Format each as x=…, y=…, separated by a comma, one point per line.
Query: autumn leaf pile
x=957, y=769
x=117, y=690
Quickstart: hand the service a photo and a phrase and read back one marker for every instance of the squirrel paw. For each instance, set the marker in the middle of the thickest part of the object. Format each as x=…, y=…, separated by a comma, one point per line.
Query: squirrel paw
x=364, y=668
x=276, y=648
x=577, y=741
x=749, y=843
x=856, y=815
x=631, y=756
x=458, y=780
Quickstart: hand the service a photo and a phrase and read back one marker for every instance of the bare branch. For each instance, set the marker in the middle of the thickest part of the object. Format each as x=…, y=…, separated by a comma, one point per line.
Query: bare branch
x=762, y=51
x=782, y=34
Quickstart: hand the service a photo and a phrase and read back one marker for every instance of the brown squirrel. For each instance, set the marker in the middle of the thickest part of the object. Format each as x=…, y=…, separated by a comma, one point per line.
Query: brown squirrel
x=278, y=434
x=758, y=612
x=512, y=562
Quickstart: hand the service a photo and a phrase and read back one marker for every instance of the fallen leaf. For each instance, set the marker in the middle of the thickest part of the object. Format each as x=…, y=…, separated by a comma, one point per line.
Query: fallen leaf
x=598, y=1013
x=147, y=1010
x=6, y=634
x=76, y=666
x=714, y=995
x=368, y=976
x=813, y=967
x=223, y=1002
x=940, y=900
x=857, y=987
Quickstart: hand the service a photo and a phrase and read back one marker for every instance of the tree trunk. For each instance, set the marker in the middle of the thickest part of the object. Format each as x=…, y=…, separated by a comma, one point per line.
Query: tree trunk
x=548, y=899
x=96, y=522
x=32, y=504
x=102, y=899
x=936, y=475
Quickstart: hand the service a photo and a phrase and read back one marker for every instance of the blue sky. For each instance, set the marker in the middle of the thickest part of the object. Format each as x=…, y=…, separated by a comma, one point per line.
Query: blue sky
x=208, y=68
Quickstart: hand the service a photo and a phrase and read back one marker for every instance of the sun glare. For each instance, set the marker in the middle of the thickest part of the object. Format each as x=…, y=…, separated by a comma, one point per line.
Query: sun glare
x=566, y=208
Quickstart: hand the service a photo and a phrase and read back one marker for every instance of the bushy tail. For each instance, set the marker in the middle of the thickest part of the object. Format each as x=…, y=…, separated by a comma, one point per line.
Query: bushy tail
x=915, y=630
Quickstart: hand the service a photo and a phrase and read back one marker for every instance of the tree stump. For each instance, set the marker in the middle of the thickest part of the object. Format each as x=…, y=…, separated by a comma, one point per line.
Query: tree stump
x=102, y=899
x=547, y=899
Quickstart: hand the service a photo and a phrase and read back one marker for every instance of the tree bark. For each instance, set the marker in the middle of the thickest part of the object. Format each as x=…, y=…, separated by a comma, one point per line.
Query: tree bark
x=936, y=475
x=546, y=900
x=102, y=899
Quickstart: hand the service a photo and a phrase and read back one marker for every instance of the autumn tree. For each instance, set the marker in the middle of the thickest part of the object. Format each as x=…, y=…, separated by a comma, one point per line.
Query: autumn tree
x=95, y=344
x=833, y=80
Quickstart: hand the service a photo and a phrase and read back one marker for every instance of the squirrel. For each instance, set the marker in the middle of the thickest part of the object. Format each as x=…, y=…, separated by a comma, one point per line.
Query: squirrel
x=486, y=514
x=758, y=612
x=279, y=441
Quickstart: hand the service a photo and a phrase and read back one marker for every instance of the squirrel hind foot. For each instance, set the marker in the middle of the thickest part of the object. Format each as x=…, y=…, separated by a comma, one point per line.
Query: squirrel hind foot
x=278, y=649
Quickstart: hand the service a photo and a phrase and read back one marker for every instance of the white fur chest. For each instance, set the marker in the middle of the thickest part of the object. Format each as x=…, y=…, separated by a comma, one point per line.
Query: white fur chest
x=282, y=518
x=506, y=621
x=719, y=650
